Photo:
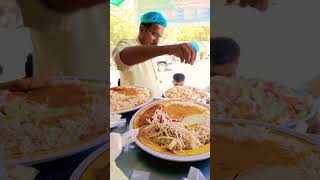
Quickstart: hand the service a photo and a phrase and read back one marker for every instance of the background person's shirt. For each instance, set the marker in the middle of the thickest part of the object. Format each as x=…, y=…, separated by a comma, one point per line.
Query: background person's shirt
x=143, y=74
x=72, y=45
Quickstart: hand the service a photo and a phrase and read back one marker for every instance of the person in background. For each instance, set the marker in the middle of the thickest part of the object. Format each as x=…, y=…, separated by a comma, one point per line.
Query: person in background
x=29, y=66
x=68, y=38
x=225, y=56
x=1, y=70
x=178, y=79
x=135, y=57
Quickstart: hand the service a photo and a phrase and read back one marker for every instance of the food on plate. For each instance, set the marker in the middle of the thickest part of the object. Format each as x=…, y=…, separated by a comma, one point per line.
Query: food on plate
x=254, y=99
x=175, y=126
x=124, y=98
x=187, y=93
x=251, y=152
x=59, y=116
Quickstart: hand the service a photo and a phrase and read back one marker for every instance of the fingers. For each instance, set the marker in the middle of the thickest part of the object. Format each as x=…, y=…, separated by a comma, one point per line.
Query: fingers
x=189, y=53
x=185, y=52
x=193, y=54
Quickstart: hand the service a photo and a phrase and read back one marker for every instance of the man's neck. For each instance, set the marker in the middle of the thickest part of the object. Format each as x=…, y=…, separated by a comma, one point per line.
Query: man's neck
x=140, y=40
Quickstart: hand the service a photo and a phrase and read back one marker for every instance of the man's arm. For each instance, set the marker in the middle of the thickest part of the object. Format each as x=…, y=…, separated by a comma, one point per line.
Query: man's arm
x=69, y=6
x=138, y=54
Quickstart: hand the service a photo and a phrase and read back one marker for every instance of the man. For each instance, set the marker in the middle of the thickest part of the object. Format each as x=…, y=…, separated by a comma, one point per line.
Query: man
x=225, y=56
x=178, y=79
x=134, y=57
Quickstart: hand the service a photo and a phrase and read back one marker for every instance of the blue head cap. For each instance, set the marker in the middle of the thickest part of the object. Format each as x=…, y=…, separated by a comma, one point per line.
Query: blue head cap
x=153, y=17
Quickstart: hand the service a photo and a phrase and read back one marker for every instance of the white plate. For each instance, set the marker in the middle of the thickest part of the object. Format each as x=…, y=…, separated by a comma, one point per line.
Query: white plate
x=45, y=157
x=134, y=108
x=165, y=156
x=202, y=101
x=59, y=154
x=304, y=136
x=76, y=175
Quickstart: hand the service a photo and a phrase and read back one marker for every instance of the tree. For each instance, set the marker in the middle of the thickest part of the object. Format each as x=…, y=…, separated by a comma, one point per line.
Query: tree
x=122, y=25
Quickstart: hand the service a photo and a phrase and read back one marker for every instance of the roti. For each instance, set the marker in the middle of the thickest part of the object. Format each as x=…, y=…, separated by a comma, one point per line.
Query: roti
x=62, y=115
x=186, y=93
x=125, y=98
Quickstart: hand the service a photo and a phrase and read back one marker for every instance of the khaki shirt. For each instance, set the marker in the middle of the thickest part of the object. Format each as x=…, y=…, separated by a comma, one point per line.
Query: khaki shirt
x=71, y=45
x=143, y=74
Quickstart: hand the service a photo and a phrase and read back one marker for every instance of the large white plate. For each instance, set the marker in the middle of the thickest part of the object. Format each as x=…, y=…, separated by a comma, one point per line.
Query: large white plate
x=202, y=101
x=295, y=123
x=165, y=156
x=76, y=175
x=134, y=108
x=58, y=154
x=39, y=157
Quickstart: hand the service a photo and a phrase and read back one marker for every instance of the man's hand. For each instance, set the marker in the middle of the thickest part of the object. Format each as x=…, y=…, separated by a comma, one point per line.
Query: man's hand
x=184, y=51
x=261, y=5
x=69, y=6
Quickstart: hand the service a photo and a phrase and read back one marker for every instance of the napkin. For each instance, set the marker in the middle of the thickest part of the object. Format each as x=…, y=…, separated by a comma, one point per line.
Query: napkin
x=20, y=172
x=195, y=174
x=140, y=175
x=117, y=142
x=116, y=121
x=16, y=172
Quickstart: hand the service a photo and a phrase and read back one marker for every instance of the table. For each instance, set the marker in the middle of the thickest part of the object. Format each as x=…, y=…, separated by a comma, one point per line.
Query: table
x=139, y=160
x=62, y=169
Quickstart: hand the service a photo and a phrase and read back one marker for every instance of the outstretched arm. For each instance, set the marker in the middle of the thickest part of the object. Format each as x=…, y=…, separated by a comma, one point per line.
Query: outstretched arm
x=137, y=54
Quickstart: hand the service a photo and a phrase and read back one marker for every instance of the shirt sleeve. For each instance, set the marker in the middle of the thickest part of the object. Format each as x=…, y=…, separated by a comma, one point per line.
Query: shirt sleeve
x=116, y=54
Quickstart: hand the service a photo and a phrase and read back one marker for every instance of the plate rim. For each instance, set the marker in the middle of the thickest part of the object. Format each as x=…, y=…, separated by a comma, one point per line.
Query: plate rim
x=83, y=166
x=203, y=100
x=152, y=152
x=59, y=153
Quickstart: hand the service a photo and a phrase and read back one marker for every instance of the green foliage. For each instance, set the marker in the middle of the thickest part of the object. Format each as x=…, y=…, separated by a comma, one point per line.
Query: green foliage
x=122, y=26
x=188, y=33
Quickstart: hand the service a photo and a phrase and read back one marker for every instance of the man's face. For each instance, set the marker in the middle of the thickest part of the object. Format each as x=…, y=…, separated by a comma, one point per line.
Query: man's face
x=151, y=35
x=175, y=83
x=227, y=70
